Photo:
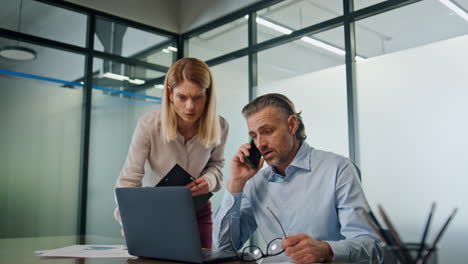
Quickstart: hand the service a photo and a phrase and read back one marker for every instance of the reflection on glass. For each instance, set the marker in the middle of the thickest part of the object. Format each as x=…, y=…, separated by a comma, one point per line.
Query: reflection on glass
x=395, y=30
x=43, y=20
x=127, y=41
x=219, y=41
x=311, y=53
x=290, y=15
x=165, y=55
x=122, y=80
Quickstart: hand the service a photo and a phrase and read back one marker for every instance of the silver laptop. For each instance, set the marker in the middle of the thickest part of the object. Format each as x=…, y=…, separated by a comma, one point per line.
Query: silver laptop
x=160, y=223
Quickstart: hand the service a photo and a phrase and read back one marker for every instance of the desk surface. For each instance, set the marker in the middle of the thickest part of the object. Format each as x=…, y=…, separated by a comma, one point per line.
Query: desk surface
x=20, y=250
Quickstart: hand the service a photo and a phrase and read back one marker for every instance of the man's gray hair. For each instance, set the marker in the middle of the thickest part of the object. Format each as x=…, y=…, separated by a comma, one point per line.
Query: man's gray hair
x=280, y=102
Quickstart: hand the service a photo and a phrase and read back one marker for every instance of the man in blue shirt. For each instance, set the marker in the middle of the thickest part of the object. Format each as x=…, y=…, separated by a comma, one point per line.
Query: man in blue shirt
x=312, y=194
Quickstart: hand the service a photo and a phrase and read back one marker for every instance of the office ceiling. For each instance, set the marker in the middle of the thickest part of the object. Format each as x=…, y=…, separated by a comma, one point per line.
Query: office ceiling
x=411, y=26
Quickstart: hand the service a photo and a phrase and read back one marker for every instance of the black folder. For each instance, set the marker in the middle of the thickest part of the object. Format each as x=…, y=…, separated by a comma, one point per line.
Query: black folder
x=177, y=176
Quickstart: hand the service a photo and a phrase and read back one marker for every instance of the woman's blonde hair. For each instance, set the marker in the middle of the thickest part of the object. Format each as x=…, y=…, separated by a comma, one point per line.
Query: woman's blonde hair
x=196, y=71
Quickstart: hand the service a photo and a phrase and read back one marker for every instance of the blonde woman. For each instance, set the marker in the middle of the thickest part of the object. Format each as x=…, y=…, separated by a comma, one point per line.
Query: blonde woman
x=186, y=130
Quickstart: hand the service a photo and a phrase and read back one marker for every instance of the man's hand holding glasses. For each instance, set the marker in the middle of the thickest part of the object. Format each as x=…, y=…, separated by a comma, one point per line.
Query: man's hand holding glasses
x=254, y=253
x=305, y=249
x=301, y=248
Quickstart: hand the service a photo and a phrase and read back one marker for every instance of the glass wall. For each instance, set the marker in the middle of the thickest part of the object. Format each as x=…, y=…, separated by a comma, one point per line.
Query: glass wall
x=116, y=107
x=43, y=20
x=412, y=103
x=311, y=72
x=40, y=136
x=120, y=39
x=359, y=4
x=308, y=54
x=375, y=36
x=43, y=109
x=291, y=15
x=219, y=41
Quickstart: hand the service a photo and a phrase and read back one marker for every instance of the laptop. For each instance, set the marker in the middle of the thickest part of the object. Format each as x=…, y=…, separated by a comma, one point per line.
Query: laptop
x=160, y=223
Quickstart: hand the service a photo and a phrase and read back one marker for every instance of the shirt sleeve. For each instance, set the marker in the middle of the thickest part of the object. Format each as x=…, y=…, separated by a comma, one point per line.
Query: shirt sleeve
x=233, y=220
x=213, y=170
x=360, y=241
x=133, y=170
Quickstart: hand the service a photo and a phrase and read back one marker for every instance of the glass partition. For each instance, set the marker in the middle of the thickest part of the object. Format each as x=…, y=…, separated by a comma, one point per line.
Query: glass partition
x=43, y=20
x=376, y=35
x=126, y=41
x=219, y=41
x=41, y=116
x=360, y=4
x=117, y=104
x=308, y=54
x=312, y=74
x=291, y=15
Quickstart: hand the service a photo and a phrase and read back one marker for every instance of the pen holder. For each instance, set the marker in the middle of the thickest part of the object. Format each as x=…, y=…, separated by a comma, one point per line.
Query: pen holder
x=399, y=249
x=413, y=249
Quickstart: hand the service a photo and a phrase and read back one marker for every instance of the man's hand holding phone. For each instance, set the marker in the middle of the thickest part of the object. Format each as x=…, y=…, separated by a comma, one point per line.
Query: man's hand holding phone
x=244, y=165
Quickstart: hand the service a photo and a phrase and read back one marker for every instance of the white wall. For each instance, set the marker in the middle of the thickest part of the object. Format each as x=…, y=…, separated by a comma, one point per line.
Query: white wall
x=321, y=96
x=231, y=80
x=413, y=139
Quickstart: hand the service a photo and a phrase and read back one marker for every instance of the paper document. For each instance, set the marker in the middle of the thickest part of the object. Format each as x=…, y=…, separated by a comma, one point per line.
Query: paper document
x=86, y=251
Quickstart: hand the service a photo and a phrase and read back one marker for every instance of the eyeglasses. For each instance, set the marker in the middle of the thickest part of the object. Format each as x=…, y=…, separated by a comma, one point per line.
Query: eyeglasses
x=254, y=253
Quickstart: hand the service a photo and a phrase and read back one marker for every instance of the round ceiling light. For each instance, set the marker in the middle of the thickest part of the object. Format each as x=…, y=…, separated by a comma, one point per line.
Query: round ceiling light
x=17, y=53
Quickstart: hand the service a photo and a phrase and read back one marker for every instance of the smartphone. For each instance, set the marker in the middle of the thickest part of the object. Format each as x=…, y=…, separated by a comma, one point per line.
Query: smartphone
x=255, y=156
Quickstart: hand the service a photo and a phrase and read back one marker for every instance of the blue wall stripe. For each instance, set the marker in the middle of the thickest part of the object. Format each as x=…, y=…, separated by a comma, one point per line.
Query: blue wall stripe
x=47, y=79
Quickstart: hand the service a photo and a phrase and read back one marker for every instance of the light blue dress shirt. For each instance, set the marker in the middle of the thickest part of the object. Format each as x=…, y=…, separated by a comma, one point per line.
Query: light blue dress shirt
x=319, y=196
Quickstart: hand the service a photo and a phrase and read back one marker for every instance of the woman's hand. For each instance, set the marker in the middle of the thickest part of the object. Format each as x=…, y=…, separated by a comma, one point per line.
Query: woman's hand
x=199, y=186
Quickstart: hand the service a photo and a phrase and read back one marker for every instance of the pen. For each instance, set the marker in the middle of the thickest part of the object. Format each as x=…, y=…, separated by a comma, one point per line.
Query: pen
x=428, y=252
x=193, y=180
x=370, y=218
x=426, y=230
x=375, y=226
x=394, y=234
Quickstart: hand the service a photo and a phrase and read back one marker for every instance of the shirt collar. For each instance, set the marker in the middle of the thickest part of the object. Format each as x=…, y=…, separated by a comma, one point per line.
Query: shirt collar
x=300, y=161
